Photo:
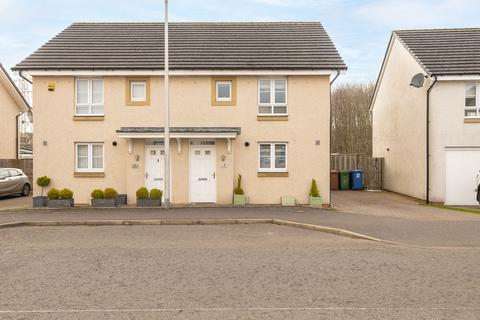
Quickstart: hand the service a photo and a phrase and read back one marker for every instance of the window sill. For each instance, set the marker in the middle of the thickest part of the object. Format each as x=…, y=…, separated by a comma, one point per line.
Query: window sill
x=272, y=118
x=272, y=174
x=220, y=103
x=471, y=120
x=88, y=118
x=89, y=174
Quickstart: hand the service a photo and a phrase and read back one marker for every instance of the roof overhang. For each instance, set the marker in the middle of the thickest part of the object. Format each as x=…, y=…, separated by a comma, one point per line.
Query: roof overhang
x=136, y=72
x=464, y=77
x=178, y=132
x=12, y=89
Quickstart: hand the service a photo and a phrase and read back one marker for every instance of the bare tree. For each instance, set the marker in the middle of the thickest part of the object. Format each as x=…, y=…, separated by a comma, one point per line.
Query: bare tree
x=351, y=125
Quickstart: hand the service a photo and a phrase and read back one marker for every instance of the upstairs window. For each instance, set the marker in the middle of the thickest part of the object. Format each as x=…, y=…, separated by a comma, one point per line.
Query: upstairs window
x=223, y=90
x=89, y=97
x=472, y=108
x=272, y=97
x=138, y=91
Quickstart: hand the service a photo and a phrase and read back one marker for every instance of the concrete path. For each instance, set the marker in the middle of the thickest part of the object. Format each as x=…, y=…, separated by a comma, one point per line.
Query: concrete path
x=388, y=204
x=8, y=202
x=438, y=233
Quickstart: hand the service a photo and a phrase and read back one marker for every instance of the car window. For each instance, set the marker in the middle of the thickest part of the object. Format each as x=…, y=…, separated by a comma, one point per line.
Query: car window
x=14, y=173
x=4, y=174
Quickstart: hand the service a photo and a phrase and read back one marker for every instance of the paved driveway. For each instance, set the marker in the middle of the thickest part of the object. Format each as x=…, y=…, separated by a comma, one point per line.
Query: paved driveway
x=10, y=202
x=388, y=204
x=227, y=272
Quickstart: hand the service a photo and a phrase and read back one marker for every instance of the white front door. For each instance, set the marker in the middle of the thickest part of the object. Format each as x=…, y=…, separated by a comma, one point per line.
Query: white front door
x=154, y=167
x=462, y=173
x=203, y=185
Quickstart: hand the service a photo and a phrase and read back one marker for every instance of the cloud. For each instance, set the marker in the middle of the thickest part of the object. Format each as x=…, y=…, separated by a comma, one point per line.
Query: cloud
x=419, y=14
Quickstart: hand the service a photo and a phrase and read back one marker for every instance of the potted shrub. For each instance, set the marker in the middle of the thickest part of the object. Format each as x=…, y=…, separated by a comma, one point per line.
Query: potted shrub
x=144, y=198
x=239, y=198
x=102, y=199
x=315, y=198
x=60, y=199
x=41, y=200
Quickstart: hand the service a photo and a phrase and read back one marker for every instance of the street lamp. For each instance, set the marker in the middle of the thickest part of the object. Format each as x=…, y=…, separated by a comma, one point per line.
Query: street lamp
x=167, y=116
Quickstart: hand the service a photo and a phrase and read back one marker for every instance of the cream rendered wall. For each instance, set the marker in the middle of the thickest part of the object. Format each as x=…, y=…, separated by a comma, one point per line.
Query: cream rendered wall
x=309, y=112
x=447, y=129
x=8, y=129
x=398, y=124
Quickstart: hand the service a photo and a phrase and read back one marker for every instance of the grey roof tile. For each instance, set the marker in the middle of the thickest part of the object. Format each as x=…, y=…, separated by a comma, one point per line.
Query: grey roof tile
x=445, y=51
x=193, y=46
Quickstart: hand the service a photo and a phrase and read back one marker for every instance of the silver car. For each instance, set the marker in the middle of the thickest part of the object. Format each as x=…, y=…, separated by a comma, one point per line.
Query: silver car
x=14, y=181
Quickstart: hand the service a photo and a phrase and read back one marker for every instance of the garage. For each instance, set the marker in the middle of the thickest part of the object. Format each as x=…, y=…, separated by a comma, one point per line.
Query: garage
x=462, y=166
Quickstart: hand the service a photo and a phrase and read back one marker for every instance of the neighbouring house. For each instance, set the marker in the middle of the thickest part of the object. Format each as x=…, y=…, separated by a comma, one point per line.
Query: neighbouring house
x=12, y=105
x=426, y=101
x=246, y=98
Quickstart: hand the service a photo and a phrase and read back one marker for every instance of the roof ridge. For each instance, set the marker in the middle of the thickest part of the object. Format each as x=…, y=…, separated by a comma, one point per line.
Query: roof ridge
x=437, y=29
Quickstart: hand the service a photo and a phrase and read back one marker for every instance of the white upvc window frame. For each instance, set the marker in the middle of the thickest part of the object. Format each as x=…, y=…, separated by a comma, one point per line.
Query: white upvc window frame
x=90, y=157
x=272, y=104
x=89, y=103
x=477, y=104
x=230, y=85
x=137, y=82
x=272, y=157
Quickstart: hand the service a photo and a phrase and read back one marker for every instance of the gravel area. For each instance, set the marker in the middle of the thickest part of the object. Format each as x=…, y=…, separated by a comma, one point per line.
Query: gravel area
x=228, y=272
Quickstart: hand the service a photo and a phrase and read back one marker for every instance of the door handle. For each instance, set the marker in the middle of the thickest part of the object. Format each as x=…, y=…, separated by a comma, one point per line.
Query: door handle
x=146, y=175
x=214, y=175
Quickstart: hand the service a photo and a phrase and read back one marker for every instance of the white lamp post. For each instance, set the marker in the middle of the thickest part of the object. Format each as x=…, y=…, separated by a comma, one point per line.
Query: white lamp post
x=167, y=116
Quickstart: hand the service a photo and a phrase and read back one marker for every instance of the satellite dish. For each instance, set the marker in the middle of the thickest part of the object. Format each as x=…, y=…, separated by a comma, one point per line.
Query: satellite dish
x=418, y=80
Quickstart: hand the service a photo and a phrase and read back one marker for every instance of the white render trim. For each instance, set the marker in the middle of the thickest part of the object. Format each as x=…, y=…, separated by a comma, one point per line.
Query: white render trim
x=459, y=78
x=179, y=72
x=189, y=135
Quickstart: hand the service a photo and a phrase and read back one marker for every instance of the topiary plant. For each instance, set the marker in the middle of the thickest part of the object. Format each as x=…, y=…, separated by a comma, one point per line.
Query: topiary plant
x=238, y=190
x=142, y=193
x=110, y=193
x=43, y=182
x=156, y=194
x=65, y=194
x=97, y=194
x=314, y=189
x=53, y=194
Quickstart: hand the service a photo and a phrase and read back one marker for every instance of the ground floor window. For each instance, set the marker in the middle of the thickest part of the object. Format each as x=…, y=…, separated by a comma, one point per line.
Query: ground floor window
x=272, y=157
x=89, y=157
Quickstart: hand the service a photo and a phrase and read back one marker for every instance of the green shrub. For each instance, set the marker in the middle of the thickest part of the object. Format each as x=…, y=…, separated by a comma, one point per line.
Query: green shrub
x=97, y=194
x=110, y=193
x=142, y=193
x=53, y=194
x=238, y=190
x=43, y=182
x=314, y=189
x=156, y=194
x=65, y=194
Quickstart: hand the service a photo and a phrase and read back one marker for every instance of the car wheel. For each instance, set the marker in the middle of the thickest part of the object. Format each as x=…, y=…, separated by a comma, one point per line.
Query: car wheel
x=25, y=190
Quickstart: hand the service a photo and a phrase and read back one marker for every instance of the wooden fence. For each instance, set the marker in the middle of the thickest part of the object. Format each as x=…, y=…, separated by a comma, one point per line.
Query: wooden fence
x=372, y=167
x=26, y=165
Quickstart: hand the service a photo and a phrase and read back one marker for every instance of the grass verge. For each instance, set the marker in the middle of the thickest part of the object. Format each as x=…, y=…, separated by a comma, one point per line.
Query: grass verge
x=466, y=210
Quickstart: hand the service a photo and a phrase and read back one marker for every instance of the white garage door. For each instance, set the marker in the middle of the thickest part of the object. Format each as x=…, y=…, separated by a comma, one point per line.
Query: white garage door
x=462, y=167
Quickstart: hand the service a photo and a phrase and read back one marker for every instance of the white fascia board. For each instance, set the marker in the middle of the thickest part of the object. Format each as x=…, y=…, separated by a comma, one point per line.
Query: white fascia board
x=179, y=135
x=177, y=73
x=459, y=78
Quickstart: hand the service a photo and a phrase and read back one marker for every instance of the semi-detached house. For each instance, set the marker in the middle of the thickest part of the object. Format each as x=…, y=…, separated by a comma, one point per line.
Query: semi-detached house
x=426, y=115
x=246, y=98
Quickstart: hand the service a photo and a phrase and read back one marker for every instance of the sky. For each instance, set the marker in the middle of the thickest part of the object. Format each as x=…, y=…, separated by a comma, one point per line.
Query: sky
x=359, y=29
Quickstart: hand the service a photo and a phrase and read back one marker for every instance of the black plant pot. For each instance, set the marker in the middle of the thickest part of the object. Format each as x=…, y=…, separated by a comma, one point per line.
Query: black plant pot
x=121, y=200
x=149, y=202
x=104, y=203
x=60, y=203
x=40, y=201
